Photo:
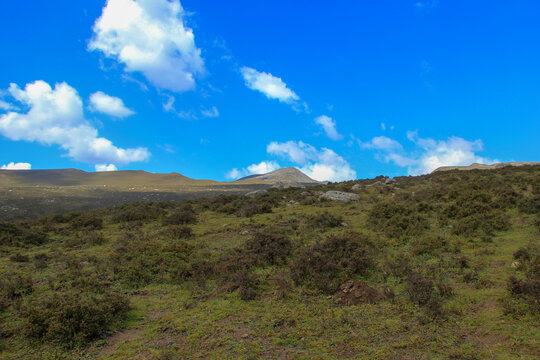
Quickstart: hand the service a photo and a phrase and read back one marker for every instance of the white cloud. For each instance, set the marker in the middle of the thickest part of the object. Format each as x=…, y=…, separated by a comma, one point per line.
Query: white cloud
x=105, y=167
x=210, y=113
x=16, y=166
x=255, y=169
x=381, y=143
x=329, y=127
x=271, y=86
x=321, y=165
x=6, y=106
x=55, y=116
x=429, y=154
x=263, y=167
x=110, y=105
x=149, y=36
x=234, y=174
x=296, y=152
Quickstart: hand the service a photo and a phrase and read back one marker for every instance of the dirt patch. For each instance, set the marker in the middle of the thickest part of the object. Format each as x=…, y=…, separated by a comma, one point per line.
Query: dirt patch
x=354, y=292
x=113, y=341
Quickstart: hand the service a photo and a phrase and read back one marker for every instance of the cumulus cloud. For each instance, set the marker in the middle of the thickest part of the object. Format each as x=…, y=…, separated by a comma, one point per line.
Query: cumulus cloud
x=149, y=37
x=110, y=105
x=271, y=86
x=428, y=154
x=255, y=169
x=105, y=167
x=16, y=166
x=321, y=165
x=329, y=127
x=55, y=116
x=296, y=152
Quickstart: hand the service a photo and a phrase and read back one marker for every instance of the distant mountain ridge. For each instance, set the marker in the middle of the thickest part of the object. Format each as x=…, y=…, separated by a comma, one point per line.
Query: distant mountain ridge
x=288, y=175
x=76, y=177
x=477, y=166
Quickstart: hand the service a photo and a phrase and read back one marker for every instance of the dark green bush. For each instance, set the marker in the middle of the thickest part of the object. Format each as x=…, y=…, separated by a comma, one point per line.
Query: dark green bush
x=397, y=220
x=15, y=284
x=18, y=257
x=179, y=231
x=139, y=260
x=140, y=211
x=254, y=208
x=183, y=216
x=73, y=317
x=324, y=220
x=86, y=221
x=327, y=264
x=269, y=247
x=20, y=235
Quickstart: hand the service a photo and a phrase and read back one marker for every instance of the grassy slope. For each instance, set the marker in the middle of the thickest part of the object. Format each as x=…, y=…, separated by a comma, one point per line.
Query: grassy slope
x=191, y=320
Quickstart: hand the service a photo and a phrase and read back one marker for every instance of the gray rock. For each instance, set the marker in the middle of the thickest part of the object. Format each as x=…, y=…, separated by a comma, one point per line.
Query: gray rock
x=339, y=196
x=256, y=193
x=357, y=187
x=375, y=184
x=389, y=181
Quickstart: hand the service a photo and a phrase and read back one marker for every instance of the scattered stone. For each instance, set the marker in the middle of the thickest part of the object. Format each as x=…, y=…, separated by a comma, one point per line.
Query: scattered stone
x=375, y=184
x=357, y=187
x=389, y=181
x=339, y=196
x=256, y=193
x=344, y=224
x=354, y=292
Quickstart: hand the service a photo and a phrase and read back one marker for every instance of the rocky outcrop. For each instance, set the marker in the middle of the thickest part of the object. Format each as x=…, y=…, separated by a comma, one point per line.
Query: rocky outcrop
x=339, y=196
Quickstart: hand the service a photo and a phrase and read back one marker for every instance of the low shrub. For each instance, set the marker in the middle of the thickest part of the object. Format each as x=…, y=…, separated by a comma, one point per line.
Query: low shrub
x=20, y=235
x=20, y=258
x=254, y=208
x=73, y=317
x=179, y=231
x=15, y=285
x=397, y=220
x=269, y=247
x=86, y=221
x=324, y=220
x=139, y=260
x=182, y=216
x=327, y=264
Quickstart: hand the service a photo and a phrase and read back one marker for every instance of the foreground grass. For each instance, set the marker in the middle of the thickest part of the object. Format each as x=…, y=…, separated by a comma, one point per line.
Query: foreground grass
x=200, y=314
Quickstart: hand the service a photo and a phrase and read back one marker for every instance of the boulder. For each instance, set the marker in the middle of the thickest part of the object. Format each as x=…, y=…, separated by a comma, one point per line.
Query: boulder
x=389, y=181
x=339, y=196
x=375, y=184
x=357, y=187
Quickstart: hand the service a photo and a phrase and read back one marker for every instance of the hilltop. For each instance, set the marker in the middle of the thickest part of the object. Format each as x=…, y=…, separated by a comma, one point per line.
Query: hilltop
x=477, y=166
x=440, y=266
x=288, y=175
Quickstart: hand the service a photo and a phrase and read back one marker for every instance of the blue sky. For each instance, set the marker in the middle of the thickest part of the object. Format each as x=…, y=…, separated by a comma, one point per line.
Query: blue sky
x=220, y=90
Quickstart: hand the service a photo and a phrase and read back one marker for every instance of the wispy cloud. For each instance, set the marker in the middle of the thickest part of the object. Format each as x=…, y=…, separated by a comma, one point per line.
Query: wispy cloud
x=110, y=105
x=329, y=127
x=271, y=86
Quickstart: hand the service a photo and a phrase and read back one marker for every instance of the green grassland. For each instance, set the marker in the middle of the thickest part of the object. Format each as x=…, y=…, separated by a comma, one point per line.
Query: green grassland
x=445, y=266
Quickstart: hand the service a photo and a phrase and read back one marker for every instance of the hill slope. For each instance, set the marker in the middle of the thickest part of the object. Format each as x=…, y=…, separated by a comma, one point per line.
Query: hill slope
x=441, y=266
